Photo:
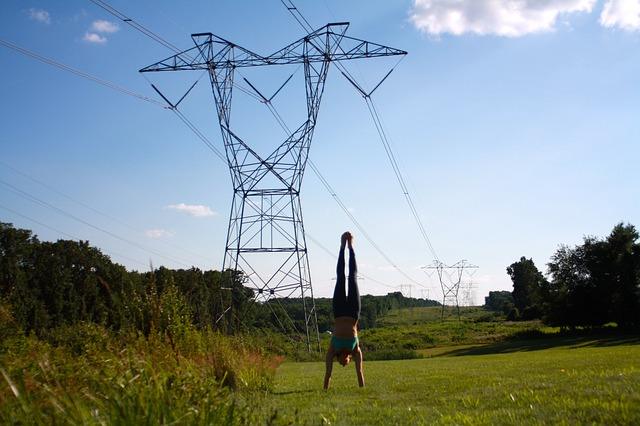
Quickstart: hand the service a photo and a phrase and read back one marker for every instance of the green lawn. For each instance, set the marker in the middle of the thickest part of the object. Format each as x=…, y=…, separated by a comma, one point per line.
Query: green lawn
x=585, y=381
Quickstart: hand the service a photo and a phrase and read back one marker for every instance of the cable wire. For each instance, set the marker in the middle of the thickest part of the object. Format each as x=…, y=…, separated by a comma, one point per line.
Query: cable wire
x=338, y=200
x=295, y=12
x=67, y=234
x=86, y=206
x=134, y=24
x=78, y=72
x=396, y=169
x=305, y=24
x=42, y=203
x=326, y=250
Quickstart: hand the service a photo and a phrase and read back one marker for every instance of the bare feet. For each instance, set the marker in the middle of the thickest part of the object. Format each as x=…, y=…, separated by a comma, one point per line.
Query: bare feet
x=346, y=238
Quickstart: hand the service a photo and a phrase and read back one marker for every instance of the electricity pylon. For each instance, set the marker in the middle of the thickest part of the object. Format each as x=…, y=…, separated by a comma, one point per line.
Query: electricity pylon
x=450, y=277
x=266, y=215
x=468, y=293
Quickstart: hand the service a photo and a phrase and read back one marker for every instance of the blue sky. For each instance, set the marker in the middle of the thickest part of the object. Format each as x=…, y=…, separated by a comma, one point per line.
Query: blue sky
x=515, y=125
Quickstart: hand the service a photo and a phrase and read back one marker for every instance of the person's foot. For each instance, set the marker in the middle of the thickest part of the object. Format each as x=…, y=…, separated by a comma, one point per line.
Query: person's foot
x=347, y=238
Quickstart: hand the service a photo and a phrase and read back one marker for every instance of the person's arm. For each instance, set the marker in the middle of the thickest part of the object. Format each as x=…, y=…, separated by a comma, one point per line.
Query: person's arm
x=329, y=367
x=358, y=360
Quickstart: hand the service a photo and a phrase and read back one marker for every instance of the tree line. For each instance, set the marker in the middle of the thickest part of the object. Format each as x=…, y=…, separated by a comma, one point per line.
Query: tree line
x=589, y=285
x=51, y=284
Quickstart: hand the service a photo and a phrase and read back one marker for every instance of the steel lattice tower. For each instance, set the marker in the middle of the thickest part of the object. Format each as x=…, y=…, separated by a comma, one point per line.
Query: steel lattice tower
x=450, y=277
x=266, y=215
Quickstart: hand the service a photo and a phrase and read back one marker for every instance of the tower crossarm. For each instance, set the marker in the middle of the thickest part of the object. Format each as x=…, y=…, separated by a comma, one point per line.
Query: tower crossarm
x=328, y=43
x=266, y=212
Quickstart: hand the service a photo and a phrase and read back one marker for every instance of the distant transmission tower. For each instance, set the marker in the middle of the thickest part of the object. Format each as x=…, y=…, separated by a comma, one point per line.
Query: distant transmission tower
x=425, y=293
x=266, y=215
x=405, y=290
x=450, y=277
x=467, y=293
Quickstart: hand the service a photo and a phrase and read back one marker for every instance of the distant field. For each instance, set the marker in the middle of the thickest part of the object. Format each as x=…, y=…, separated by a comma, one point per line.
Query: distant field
x=417, y=329
x=434, y=313
x=565, y=381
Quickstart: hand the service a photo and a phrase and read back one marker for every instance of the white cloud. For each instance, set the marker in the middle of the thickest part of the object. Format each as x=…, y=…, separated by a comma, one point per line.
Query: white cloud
x=158, y=233
x=508, y=18
x=102, y=26
x=39, y=15
x=193, y=210
x=94, y=38
x=623, y=14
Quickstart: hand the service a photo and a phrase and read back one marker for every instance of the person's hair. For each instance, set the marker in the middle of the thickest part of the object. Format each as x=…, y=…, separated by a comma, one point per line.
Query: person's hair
x=343, y=354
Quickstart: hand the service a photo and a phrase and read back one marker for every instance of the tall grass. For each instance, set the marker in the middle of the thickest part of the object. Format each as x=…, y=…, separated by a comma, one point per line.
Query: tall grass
x=85, y=374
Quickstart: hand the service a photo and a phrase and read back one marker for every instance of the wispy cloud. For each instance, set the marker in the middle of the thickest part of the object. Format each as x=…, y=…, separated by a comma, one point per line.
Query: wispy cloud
x=624, y=14
x=39, y=15
x=94, y=38
x=195, y=210
x=158, y=233
x=99, y=27
x=103, y=26
x=507, y=18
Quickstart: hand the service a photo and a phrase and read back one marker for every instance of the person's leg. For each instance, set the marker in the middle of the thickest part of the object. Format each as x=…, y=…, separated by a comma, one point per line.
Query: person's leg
x=353, y=300
x=339, y=293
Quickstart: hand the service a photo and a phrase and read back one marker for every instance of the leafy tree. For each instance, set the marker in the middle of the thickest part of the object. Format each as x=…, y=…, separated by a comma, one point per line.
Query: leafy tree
x=597, y=282
x=624, y=252
x=513, y=315
x=529, y=286
x=499, y=301
x=16, y=265
x=49, y=284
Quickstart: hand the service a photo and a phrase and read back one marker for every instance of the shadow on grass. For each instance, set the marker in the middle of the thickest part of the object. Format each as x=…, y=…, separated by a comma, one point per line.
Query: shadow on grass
x=572, y=342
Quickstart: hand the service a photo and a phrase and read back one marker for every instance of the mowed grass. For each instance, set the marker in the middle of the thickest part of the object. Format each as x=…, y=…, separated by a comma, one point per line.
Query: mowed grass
x=588, y=383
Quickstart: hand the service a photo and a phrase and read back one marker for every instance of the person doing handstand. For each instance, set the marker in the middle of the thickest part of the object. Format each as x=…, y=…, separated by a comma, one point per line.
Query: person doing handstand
x=346, y=312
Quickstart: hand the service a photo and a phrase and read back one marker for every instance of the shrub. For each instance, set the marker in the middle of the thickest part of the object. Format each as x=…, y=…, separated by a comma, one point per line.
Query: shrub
x=8, y=325
x=514, y=315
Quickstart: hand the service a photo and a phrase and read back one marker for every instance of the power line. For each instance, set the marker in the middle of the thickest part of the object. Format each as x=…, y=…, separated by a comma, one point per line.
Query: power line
x=337, y=198
x=398, y=173
x=42, y=203
x=297, y=15
x=199, y=135
x=326, y=250
x=362, y=230
x=67, y=234
x=158, y=39
x=117, y=88
x=134, y=24
x=305, y=24
x=85, y=205
x=295, y=12
x=78, y=72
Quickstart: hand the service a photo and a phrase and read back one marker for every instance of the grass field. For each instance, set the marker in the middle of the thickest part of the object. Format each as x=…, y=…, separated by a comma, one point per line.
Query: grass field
x=570, y=381
x=412, y=332
x=480, y=370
